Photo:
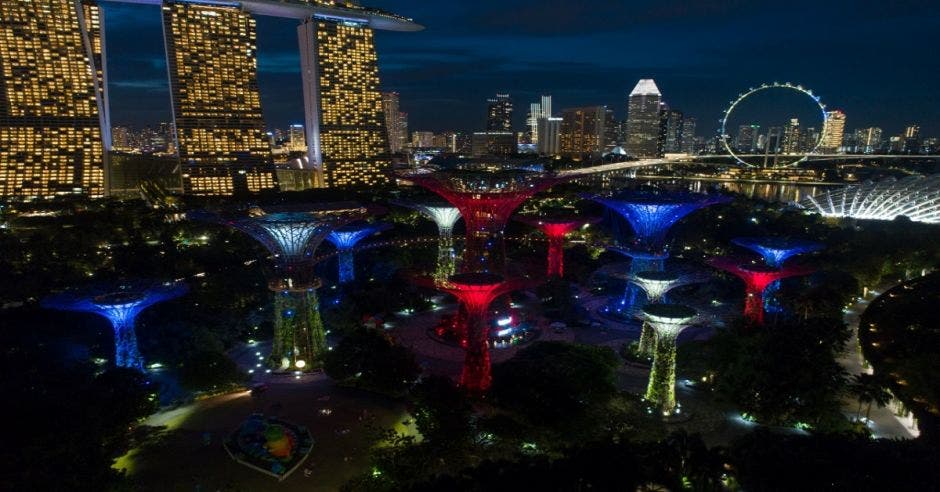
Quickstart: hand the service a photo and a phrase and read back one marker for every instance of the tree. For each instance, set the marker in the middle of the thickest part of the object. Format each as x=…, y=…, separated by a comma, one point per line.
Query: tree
x=208, y=370
x=368, y=359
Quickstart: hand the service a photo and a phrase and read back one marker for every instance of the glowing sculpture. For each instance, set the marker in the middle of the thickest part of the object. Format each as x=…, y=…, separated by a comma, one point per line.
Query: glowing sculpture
x=345, y=239
x=475, y=292
x=656, y=284
x=555, y=229
x=914, y=197
x=668, y=320
x=485, y=199
x=292, y=237
x=775, y=251
x=120, y=304
x=651, y=214
x=445, y=216
x=756, y=279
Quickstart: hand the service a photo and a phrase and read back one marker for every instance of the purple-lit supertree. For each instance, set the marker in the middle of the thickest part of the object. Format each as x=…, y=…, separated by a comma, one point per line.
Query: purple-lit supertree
x=292, y=237
x=775, y=251
x=651, y=214
x=445, y=216
x=120, y=304
x=486, y=199
x=345, y=239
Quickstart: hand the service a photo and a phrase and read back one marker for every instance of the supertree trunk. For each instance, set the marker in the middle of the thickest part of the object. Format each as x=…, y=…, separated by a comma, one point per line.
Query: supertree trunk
x=126, y=353
x=661, y=389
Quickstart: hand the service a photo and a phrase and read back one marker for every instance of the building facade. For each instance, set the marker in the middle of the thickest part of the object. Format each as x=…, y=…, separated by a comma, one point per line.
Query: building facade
x=493, y=144
x=583, y=131
x=671, y=121
x=53, y=114
x=391, y=109
x=833, y=132
x=211, y=56
x=643, y=121
x=499, y=113
x=549, y=136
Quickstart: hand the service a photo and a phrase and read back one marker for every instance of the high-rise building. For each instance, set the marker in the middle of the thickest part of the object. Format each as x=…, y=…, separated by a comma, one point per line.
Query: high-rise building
x=390, y=107
x=532, y=124
x=499, y=113
x=611, y=129
x=582, y=130
x=493, y=144
x=746, y=140
x=911, y=140
x=643, y=124
x=833, y=132
x=211, y=57
x=671, y=121
x=688, y=135
x=297, y=138
x=403, y=129
x=342, y=103
x=549, y=136
x=53, y=117
x=791, y=137
x=868, y=140
x=546, y=106
x=422, y=139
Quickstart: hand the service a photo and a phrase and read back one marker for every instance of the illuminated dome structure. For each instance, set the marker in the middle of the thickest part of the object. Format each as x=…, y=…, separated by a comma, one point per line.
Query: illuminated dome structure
x=756, y=278
x=556, y=228
x=120, y=304
x=651, y=214
x=292, y=236
x=914, y=197
x=667, y=320
x=445, y=216
x=485, y=199
x=345, y=239
x=775, y=251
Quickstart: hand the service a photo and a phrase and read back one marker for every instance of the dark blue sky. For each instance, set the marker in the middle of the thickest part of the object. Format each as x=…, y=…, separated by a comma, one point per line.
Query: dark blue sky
x=875, y=60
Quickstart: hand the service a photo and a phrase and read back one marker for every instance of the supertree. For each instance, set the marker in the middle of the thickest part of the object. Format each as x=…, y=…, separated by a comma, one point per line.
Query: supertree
x=651, y=214
x=668, y=320
x=656, y=284
x=775, y=251
x=445, y=216
x=485, y=199
x=292, y=237
x=475, y=292
x=556, y=228
x=756, y=278
x=120, y=304
x=345, y=239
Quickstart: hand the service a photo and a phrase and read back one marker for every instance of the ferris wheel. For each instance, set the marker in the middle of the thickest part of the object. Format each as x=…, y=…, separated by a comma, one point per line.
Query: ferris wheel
x=723, y=132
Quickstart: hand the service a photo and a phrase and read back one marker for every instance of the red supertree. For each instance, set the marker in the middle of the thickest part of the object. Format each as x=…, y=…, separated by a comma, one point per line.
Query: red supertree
x=486, y=200
x=756, y=278
x=556, y=228
x=475, y=292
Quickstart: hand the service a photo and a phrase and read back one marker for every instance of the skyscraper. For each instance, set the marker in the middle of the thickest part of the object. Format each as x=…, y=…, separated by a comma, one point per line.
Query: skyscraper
x=746, y=140
x=833, y=132
x=911, y=139
x=52, y=111
x=672, y=130
x=791, y=137
x=643, y=125
x=582, y=130
x=868, y=140
x=688, y=135
x=538, y=111
x=390, y=106
x=298, y=139
x=342, y=103
x=499, y=113
x=549, y=136
x=216, y=103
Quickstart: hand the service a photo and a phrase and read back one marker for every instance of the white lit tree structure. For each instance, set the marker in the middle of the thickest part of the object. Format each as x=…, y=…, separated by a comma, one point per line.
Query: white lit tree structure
x=668, y=320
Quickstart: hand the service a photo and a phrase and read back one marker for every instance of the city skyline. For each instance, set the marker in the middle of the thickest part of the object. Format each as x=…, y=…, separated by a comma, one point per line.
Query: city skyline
x=445, y=73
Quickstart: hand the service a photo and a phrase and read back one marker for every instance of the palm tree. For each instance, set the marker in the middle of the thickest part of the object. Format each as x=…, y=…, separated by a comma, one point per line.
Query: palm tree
x=869, y=390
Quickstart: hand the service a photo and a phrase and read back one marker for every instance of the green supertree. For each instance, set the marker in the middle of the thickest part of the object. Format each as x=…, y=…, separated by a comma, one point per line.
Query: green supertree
x=668, y=320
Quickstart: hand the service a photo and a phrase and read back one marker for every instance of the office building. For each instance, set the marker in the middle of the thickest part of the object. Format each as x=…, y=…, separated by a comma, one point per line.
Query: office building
x=790, y=143
x=53, y=116
x=643, y=122
x=868, y=140
x=671, y=121
x=746, y=140
x=688, y=135
x=499, y=113
x=493, y=144
x=393, y=121
x=583, y=131
x=549, y=136
x=220, y=138
x=422, y=139
x=297, y=139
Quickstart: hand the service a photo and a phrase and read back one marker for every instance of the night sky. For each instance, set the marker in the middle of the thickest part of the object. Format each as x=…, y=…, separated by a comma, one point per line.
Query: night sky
x=877, y=61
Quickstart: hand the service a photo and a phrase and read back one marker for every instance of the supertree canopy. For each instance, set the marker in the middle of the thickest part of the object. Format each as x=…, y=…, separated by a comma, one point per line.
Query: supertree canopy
x=756, y=278
x=556, y=228
x=345, y=239
x=914, y=197
x=292, y=236
x=485, y=199
x=652, y=213
x=120, y=304
x=668, y=320
x=445, y=216
x=777, y=250
x=656, y=284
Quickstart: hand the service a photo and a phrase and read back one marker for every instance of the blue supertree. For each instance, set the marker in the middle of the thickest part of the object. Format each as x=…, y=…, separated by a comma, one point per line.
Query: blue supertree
x=651, y=214
x=345, y=239
x=120, y=304
x=776, y=251
x=292, y=237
